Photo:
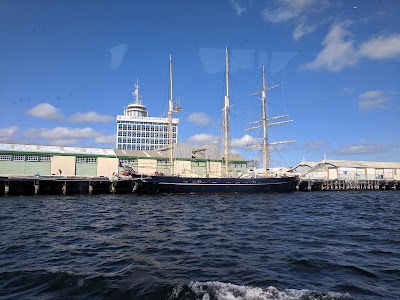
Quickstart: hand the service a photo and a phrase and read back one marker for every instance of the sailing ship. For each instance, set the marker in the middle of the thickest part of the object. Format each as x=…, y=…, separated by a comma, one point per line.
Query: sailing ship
x=171, y=184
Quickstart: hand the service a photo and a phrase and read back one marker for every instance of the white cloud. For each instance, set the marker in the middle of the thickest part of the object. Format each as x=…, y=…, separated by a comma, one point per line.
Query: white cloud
x=90, y=117
x=8, y=133
x=45, y=111
x=286, y=10
x=106, y=139
x=199, y=118
x=362, y=148
x=202, y=139
x=338, y=51
x=63, y=133
x=381, y=47
x=244, y=141
x=373, y=99
x=302, y=29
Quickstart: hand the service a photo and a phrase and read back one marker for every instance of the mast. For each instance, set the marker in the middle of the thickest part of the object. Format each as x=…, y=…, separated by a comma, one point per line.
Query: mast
x=136, y=92
x=226, y=114
x=172, y=108
x=264, y=123
x=170, y=111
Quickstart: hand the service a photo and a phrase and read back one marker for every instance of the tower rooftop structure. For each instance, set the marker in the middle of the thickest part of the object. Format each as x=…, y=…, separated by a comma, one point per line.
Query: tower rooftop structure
x=136, y=108
x=137, y=131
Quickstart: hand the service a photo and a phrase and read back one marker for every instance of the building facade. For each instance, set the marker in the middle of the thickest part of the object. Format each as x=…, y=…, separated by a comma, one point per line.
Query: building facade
x=45, y=160
x=137, y=131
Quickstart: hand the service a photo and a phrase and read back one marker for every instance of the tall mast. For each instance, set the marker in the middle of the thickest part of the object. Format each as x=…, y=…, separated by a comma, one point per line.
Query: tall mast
x=226, y=114
x=170, y=111
x=264, y=123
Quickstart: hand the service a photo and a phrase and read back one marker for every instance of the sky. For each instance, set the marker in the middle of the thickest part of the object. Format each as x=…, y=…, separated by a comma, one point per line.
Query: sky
x=68, y=68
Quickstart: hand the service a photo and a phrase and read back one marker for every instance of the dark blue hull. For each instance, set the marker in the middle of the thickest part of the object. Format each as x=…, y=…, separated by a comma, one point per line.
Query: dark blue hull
x=186, y=185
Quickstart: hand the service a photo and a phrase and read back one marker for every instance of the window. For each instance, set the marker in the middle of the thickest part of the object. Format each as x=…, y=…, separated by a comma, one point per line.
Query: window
x=80, y=159
x=5, y=156
x=91, y=160
x=32, y=158
x=45, y=158
x=19, y=157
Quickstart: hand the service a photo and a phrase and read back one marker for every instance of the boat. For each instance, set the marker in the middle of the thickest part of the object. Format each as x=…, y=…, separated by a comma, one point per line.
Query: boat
x=178, y=184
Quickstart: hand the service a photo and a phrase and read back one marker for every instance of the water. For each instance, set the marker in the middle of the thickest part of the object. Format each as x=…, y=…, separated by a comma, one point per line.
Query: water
x=319, y=245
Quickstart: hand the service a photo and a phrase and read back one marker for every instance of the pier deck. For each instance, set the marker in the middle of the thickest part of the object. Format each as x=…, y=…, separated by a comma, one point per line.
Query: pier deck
x=58, y=185
x=341, y=184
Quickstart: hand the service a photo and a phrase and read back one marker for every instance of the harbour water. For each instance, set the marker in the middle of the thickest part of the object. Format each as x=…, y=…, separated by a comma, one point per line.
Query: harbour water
x=318, y=245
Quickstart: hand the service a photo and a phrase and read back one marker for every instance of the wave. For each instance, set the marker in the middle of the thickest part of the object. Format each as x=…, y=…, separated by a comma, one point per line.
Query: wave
x=215, y=290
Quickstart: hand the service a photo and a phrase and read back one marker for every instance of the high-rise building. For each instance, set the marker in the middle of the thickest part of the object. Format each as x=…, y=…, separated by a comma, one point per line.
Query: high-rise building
x=137, y=131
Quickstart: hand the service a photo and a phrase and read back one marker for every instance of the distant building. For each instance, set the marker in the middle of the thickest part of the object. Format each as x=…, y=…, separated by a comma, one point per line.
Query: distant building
x=348, y=170
x=137, y=131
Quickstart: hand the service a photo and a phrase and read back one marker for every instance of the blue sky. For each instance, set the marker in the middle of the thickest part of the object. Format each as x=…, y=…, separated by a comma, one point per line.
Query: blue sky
x=67, y=69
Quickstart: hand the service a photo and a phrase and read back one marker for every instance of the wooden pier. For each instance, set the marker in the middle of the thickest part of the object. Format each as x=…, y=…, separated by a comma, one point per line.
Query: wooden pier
x=64, y=185
x=341, y=185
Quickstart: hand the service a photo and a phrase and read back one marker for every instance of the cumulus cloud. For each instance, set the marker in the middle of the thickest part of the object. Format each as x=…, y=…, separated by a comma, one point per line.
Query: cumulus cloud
x=199, y=118
x=106, y=139
x=362, y=148
x=245, y=141
x=202, y=139
x=373, y=99
x=340, y=51
x=45, y=111
x=381, y=47
x=63, y=133
x=91, y=117
x=8, y=133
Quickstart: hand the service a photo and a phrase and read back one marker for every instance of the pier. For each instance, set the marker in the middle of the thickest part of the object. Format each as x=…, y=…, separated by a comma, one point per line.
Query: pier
x=70, y=185
x=345, y=184
x=64, y=185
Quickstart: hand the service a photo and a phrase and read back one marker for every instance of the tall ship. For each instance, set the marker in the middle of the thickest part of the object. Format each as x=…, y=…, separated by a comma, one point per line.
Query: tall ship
x=268, y=183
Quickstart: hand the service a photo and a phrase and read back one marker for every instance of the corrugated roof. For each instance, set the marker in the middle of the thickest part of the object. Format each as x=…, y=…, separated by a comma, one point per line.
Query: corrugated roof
x=364, y=164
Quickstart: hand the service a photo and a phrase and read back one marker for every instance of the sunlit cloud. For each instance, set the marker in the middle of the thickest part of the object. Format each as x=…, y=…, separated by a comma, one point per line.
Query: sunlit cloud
x=340, y=50
x=8, y=133
x=245, y=141
x=295, y=12
x=362, y=148
x=199, y=118
x=106, y=139
x=90, y=117
x=63, y=133
x=373, y=99
x=45, y=111
x=302, y=29
x=202, y=139
x=381, y=47
x=285, y=10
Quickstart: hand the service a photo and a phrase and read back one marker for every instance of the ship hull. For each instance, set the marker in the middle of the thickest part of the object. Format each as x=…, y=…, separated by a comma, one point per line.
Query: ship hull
x=185, y=185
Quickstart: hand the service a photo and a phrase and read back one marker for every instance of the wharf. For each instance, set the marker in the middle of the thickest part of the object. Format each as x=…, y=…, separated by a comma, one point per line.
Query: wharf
x=345, y=184
x=65, y=185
